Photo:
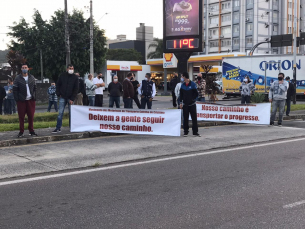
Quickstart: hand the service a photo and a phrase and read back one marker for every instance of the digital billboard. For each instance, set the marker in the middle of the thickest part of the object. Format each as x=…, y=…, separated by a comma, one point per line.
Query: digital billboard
x=182, y=17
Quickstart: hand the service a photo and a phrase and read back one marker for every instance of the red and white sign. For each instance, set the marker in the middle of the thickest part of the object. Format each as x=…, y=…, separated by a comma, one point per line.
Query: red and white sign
x=252, y=114
x=126, y=121
x=169, y=60
x=124, y=68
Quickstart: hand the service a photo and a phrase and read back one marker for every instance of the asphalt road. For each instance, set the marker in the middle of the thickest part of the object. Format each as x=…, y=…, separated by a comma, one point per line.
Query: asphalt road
x=253, y=187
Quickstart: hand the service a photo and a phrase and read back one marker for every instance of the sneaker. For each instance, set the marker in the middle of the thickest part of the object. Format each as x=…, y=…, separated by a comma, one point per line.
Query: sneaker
x=271, y=123
x=287, y=115
x=20, y=135
x=280, y=124
x=185, y=134
x=33, y=134
x=197, y=135
x=56, y=131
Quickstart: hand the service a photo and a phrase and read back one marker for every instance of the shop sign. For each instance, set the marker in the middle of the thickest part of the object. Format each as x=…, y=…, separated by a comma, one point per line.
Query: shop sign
x=169, y=60
x=124, y=68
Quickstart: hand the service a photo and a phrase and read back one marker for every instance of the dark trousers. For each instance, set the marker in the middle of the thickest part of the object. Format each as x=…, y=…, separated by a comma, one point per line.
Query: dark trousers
x=26, y=107
x=11, y=106
x=288, y=102
x=50, y=105
x=245, y=99
x=127, y=103
x=190, y=110
x=1, y=101
x=114, y=99
x=98, y=100
x=136, y=99
x=174, y=99
x=145, y=101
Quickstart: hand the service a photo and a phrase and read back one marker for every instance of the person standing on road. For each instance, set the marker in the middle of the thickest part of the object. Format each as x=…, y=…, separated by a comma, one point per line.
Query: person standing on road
x=147, y=91
x=24, y=90
x=90, y=90
x=2, y=97
x=135, y=84
x=128, y=91
x=66, y=90
x=277, y=95
x=246, y=89
x=52, y=97
x=188, y=97
x=177, y=91
x=290, y=93
x=115, y=89
x=81, y=91
x=201, y=87
x=173, y=83
x=99, y=91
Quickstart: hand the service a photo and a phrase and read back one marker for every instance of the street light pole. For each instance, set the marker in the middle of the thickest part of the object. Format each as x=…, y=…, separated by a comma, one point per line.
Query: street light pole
x=41, y=65
x=67, y=39
x=91, y=40
x=295, y=51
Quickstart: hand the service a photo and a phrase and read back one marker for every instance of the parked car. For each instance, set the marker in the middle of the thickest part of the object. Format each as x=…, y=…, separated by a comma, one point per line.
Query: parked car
x=219, y=83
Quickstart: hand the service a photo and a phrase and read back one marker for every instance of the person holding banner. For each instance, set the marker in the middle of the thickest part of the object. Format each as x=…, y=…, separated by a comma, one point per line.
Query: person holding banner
x=147, y=91
x=278, y=96
x=188, y=97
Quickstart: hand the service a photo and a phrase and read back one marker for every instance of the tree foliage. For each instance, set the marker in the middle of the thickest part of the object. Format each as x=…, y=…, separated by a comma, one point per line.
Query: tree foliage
x=49, y=36
x=124, y=54
x=15, y=60
x=158, y=46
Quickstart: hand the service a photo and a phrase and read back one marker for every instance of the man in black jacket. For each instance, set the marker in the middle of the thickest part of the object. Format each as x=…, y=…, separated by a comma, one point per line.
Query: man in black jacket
x=66, y=90
x=24, y=90
x=173, y=85
x=2, y=96
x=290, y=93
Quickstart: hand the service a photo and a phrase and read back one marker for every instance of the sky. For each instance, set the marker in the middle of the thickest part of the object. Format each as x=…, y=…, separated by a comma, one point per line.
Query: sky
x=123, y=15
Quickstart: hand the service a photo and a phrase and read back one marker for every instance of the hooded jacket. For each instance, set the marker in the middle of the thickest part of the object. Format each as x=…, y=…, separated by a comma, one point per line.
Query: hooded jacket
x=67, y=86
x=20, y=90
x=246, y=88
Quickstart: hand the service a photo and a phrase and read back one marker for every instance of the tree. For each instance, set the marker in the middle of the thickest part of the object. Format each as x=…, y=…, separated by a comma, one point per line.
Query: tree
x=15, y=60
x=158, y=46
x=49, y=36
x=124, y=54
x=211, y=85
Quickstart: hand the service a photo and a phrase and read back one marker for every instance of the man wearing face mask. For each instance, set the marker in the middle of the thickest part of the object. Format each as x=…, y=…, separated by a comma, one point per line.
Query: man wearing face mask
x=177, y=90
x=278, y=95
x=115, y=89
x=24, y=90
x=147, y=91
x=66, y=90
x=173, y=85
x=201, y=87
x=135, y=84
x=100, y=90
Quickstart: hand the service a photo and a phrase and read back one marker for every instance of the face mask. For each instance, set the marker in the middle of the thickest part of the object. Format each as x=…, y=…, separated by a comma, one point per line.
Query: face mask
x=131, y=78
x=182, y=80
x=71, y=71
x=245, y=80
x=199, y=78
x=146, y=79
x=115, y=80
x=24, y=71
x=280, y=78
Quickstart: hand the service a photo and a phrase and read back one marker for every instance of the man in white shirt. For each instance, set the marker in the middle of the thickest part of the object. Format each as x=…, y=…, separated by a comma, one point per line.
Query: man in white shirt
x=147, y=91
x=99, y=91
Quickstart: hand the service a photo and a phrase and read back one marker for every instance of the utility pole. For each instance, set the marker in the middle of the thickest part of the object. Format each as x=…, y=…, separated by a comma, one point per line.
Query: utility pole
x=91, y=40
x=67, y=38
x=295, y=50
x=41, y=65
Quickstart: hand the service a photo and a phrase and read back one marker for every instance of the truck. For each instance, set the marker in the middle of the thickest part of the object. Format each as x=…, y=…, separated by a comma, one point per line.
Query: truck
x=262, y=70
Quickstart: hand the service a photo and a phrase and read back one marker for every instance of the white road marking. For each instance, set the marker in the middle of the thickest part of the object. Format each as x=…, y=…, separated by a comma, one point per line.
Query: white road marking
x=294, y=204
x=143, y=162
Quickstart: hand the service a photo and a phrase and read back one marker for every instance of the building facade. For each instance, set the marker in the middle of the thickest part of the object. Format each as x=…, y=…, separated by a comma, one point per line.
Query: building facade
x=237, y=25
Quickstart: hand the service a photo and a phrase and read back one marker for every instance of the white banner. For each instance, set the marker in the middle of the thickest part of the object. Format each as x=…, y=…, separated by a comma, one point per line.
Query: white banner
x=126, y=121
x=253, y=113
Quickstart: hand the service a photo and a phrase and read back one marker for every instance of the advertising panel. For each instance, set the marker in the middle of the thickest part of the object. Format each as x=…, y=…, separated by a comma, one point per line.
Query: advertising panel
x=169, y=60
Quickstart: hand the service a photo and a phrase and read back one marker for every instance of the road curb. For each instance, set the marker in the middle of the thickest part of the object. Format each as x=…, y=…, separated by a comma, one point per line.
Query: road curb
x=74, y=136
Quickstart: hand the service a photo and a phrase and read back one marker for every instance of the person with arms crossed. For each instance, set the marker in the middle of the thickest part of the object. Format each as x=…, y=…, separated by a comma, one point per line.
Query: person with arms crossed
x=115, y=89
x=99, y=91
x=128, y=91
x=147, y=91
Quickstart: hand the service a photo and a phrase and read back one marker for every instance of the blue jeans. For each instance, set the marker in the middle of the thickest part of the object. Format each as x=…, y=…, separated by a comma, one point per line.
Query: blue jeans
x=50, y=105
x=145, y=101
x=277, y=104
x=202, y=99
x=62, y=104
x=114, y=99
x=10, y=106
x=91, y=100
x=128, y=103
